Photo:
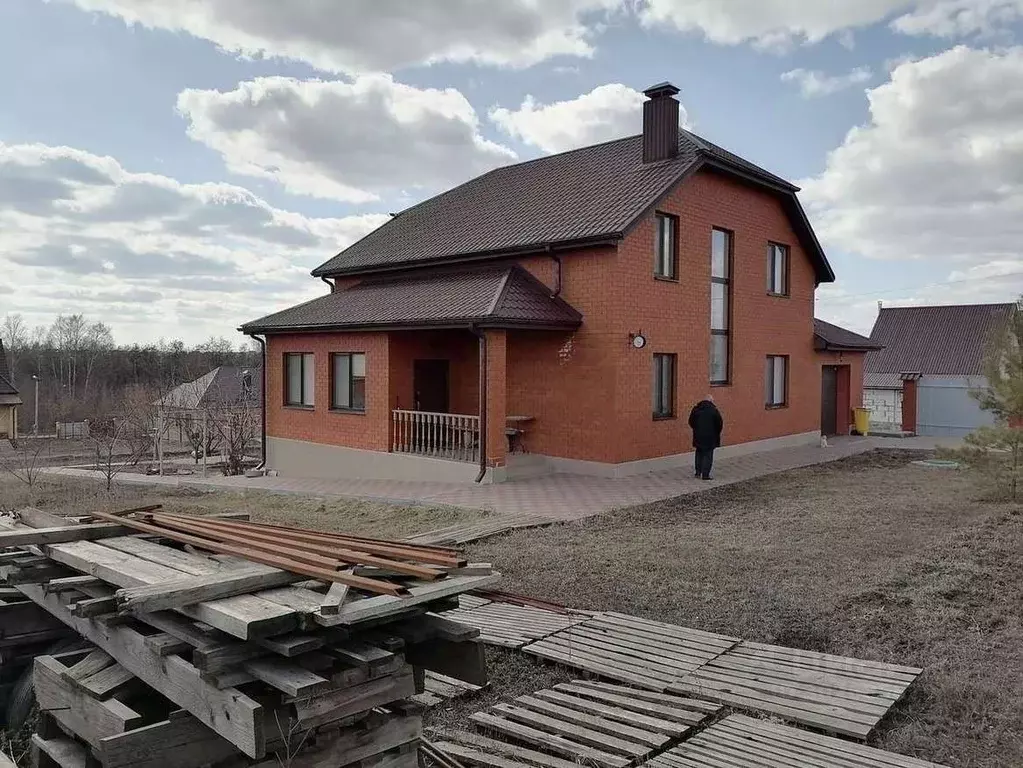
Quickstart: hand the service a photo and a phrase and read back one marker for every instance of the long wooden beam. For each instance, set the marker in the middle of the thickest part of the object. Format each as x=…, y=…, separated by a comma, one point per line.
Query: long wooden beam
x=330, y=551
x=197, y=589
x=59, y=535
x=446, y=557
x=281, y=560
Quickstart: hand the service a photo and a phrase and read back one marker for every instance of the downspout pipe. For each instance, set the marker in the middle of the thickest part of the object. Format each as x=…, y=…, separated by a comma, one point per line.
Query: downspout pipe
x=483, y=400
x=557, y=272
x=329, y=284
x=262, y=404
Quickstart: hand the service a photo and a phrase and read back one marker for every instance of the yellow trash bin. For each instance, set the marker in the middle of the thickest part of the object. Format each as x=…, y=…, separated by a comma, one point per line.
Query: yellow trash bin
x=861, y=420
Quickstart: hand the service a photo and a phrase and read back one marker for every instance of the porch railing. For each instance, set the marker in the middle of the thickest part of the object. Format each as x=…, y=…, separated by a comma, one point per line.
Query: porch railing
x=442, y=435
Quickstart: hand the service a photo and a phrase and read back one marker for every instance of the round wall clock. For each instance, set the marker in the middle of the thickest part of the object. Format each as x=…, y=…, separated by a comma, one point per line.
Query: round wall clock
x=639, y=341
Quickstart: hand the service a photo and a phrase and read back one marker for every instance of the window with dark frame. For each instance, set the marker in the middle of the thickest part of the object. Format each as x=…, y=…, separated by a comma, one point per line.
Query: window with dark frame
x=720, y=305
x=666, y=246
x=778, y=269
x=299, y=385
x=664, y=386
x=776, y=381
x=348, y=381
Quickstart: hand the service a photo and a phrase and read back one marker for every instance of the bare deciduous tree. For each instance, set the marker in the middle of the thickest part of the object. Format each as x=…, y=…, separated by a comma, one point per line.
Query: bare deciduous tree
x=125, y=434
x=26, y=460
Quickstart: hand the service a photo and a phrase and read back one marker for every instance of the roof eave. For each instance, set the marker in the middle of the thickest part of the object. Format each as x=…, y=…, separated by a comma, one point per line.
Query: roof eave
x=603, y=239
x=433, y=325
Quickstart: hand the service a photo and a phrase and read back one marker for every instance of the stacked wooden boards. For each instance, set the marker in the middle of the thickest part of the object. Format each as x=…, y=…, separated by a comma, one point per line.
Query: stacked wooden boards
x=440, y=689
x=254, y=668
x=582, y=722
x=834, y=694
x=644, y=653
x=738, y=741
x=510, y=625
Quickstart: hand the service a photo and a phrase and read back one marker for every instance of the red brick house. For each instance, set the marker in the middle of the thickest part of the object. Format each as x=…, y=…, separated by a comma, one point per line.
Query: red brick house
x=563, y=314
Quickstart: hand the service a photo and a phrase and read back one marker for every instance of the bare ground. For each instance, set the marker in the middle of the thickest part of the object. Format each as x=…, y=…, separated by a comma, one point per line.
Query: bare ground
x=869, y=557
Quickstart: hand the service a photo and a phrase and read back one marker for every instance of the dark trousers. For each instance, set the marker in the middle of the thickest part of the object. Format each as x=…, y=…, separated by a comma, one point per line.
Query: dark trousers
x=704, y=462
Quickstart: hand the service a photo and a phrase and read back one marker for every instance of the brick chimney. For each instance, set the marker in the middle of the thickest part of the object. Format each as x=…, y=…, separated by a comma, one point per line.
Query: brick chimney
x=660, y=123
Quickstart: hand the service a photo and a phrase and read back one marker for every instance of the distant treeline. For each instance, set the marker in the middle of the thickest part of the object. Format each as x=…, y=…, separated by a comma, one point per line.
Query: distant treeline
x=83, y=373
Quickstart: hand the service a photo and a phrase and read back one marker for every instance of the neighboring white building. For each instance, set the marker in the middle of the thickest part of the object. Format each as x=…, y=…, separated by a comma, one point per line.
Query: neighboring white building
x=932, y=357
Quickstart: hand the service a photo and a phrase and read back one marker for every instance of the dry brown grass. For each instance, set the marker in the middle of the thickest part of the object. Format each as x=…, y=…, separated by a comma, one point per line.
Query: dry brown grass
x=869, y=557
x=372, y=518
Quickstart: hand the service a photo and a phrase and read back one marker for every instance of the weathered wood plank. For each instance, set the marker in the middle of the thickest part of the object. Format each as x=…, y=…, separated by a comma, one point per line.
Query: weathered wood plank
x=178, y=741
x=197, y=589
x=229, y=712
x=61, y=534
x=549, y=741
x=318, y=710
x=64, y=753
x=287, y=677
x=490, y=746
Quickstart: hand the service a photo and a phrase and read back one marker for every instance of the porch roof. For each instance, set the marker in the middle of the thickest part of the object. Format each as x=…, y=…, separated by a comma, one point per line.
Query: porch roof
x=489, y=297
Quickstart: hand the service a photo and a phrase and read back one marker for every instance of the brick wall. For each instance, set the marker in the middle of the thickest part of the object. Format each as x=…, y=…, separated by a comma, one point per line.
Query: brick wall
x=319, y=424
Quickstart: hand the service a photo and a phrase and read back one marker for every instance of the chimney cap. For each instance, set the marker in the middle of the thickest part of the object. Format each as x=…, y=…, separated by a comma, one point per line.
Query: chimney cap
x=660, y=90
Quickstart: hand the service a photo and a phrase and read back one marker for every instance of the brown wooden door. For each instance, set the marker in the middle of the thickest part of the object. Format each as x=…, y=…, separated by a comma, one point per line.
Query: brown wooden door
x=829, y=400
x=430, y=385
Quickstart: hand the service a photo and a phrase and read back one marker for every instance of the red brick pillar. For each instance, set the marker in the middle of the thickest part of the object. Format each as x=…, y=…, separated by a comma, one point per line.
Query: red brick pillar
x=844, y=404
x=497, y=407
x=909, y=405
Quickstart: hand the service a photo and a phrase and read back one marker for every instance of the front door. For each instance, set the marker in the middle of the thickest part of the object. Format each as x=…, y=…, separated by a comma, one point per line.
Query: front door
x=829, y=400
x=430, y=385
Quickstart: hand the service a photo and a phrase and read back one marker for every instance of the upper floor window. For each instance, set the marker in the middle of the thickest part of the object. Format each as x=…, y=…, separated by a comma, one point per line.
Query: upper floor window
x=664, y=386
x=348, y=381
x=300, y=381
x=720, y=305
x=666, y=246
x=778, y=269
x=776, y=381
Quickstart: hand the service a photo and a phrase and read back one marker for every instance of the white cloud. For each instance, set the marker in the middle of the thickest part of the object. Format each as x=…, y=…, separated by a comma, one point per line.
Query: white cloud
x=607, y=112
x=377, y=35
x=958, y=18
x=780, y=24
x=147, y=254
x=814, y=84
x=347, y=141
x=935, y=176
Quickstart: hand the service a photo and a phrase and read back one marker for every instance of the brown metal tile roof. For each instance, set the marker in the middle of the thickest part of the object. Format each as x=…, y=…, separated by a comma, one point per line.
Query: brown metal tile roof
x=828, y=336
x=586, y=195
x=492, y=297
x=938, y=341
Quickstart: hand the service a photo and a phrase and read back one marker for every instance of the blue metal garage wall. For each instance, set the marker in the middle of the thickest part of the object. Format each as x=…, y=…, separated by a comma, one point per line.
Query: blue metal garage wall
x=945, y=408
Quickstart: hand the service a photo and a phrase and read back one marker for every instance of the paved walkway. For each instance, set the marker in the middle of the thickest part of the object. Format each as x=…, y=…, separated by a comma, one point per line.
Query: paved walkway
x=559, y=497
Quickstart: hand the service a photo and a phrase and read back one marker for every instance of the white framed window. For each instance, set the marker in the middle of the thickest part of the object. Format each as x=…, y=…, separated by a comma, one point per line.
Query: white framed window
x=300, y=379
x=777, y=269
x=666, y=246
x=348, y=381
x=776, y=381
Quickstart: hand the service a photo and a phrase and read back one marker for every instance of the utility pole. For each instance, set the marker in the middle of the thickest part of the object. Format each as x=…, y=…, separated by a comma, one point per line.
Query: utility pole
x=35, y=425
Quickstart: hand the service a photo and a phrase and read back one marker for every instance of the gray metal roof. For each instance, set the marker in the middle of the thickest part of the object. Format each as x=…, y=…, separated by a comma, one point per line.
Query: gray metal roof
x=582, y=196
x=490, y=296
x=946, y=340
x=6, y=379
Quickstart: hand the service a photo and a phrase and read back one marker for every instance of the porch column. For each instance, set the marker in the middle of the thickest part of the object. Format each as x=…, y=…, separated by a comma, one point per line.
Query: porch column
x=496, y=394
x=909, y=405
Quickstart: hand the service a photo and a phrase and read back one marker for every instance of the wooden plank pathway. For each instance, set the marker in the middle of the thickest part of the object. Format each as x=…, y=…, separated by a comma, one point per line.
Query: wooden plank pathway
x=441, y=689
x=509, y=625
x=481, y=529
x=745, y=742
x=834, y=694
x=582, y=722
x=641, y=652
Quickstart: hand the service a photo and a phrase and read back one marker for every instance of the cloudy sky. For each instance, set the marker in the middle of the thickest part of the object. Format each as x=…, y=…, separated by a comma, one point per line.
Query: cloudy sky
x=176, y=167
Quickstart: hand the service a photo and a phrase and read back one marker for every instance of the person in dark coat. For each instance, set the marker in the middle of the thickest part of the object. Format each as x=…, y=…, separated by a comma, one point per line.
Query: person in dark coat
x=706, y=423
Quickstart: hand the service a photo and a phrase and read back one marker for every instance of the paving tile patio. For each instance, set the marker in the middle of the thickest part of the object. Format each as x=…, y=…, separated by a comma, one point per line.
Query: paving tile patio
x=559, y=497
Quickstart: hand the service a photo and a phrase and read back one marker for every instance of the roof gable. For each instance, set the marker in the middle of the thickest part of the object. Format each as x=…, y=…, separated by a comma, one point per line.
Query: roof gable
x=939, y=341
x=576, y=198
x=6, y=379
x=223, y=386
x=828, y=336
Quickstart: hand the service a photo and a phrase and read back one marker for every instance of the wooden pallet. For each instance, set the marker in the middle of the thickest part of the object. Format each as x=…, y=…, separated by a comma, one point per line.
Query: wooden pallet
x=645, y=653
x=492, y=525
x=744, y=742
x=598, y=724
x=834, y=694
x=440, y=689
x=511, y=626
